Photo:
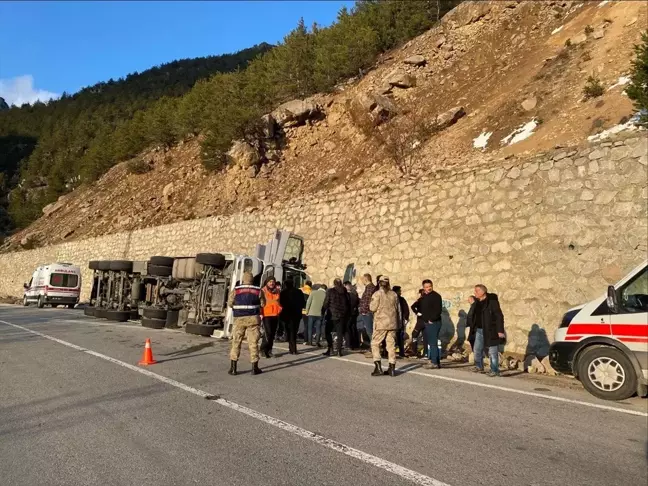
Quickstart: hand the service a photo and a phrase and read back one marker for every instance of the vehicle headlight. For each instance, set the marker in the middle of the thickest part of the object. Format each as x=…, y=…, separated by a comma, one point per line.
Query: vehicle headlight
x=567, y=318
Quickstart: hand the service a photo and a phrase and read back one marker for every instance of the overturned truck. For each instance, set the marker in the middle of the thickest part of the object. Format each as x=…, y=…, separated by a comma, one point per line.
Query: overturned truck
x=116, y=289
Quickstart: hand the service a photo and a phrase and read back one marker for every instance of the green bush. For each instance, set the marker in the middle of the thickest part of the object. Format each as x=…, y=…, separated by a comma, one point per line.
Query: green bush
x=637, y=90
x=137, y=166
x=593, y=88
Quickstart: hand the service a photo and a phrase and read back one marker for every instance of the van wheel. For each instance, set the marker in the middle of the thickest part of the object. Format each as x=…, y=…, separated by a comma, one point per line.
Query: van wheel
x=41, y=302
x=25, y=301
x=607, y=373
x=71, y=306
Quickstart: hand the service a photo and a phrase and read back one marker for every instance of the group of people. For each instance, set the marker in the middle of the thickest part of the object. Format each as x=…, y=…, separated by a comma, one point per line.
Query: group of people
x=377, y=319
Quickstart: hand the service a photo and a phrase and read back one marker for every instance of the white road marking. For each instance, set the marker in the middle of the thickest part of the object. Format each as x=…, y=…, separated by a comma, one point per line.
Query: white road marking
x=493, y=387
x=375, y=461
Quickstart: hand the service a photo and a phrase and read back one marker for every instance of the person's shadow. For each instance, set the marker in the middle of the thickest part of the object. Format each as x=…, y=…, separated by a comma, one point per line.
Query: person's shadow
x=461, y=327
x=447, y=329
x=537, y=342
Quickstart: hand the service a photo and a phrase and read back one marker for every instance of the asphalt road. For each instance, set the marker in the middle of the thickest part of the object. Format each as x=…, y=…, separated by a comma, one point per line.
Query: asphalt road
x=75, y=411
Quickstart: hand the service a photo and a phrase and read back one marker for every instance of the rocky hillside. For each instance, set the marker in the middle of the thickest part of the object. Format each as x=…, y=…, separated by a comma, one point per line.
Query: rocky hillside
x=492, y=80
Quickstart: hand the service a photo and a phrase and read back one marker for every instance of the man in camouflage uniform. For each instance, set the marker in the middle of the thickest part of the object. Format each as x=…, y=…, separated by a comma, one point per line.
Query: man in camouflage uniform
x=246, y=302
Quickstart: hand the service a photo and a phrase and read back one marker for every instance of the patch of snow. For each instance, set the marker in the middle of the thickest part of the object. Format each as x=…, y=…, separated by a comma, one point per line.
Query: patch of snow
x=621, y=81
x=521, y=133
x=630, y=126
x=555, y=31
x=481, y=141
x=604, y=2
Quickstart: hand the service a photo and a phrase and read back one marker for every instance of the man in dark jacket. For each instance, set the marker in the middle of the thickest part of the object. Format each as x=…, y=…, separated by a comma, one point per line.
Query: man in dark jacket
x=487, y=320
x=337, y=303
x=365, y=317
x=352, y=327
x=404, y=318
x=429, y=307
x=291, y=301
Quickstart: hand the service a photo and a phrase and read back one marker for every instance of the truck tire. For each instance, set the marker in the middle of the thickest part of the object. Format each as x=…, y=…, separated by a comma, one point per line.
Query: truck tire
x=172, y=319
x=93, y=265
x=117, y=315
x=121, y=265
x=134, y=315
x=153, y=313
x=607, y=373
x=153, y=323
x=161, y=261
x=199, y=329
x=100, y=312
x=89, y=311
x=159, y=271
x=103, y=265
x=212, y=259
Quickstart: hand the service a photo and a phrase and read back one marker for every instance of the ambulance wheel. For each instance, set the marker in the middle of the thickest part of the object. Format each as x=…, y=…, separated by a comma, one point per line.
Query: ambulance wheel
x=607, y=373
x=89, y=311
x=25, y=301
x=199, y=329
x=41, y=302
x=212, y=259
x=153, y=313
x=118, y=316
x=153, y=323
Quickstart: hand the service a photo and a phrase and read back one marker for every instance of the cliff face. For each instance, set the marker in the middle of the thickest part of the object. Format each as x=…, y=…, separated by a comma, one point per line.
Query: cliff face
x=499, y=79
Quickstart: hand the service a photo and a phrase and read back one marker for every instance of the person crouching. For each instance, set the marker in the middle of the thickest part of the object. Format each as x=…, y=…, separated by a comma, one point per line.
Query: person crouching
x=246, y=302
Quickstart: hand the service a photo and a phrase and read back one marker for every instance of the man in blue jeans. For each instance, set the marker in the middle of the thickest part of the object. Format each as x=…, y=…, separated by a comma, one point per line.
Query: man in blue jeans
x=486, y=322
x=365, y=317
x=429, y=306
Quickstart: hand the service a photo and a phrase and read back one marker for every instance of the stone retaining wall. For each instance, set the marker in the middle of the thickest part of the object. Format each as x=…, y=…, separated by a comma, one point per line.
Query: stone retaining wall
x=545, y=234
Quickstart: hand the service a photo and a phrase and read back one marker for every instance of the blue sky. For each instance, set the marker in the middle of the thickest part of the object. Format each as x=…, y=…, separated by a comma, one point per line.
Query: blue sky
x=50, y=47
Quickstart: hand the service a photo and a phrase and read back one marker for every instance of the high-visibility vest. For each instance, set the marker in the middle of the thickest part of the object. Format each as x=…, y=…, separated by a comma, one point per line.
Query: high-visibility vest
x=307, y=291
x=272, y=307
x=246, y=301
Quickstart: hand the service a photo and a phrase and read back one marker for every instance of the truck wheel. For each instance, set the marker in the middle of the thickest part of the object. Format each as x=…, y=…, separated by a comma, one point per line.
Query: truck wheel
x=41, y=302
x=161, y=261
x=212, y=259
x=607, y=373
x=153, y=323
x=153, y=313
x=100, y=313
x=159, y=271
x=134, y=315
x=121, y=266
x=118, y=316
x=89, y=311
x=199, y=329
x=103, y=265
x=93, y=265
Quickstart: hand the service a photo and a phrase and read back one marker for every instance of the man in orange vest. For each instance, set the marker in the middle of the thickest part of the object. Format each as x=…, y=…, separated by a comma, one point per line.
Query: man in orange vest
x=271, y=311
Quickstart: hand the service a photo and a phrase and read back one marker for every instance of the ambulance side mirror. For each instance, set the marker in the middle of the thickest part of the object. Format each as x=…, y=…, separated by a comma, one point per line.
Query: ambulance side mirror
x=25, y=286
x=612, y=299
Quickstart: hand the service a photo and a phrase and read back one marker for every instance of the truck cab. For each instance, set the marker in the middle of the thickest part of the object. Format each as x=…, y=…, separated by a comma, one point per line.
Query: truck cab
x=604, y=343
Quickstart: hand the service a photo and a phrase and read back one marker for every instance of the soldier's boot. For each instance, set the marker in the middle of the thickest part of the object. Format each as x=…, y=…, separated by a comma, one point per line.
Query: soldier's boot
x=378, y=371
x=255, y=368
x=392, y=370
x=328, y=351
x=232, y=370
x=339, y=351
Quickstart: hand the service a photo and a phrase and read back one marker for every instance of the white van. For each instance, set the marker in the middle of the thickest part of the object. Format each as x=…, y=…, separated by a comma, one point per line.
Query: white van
x=55, y=284
x=604, y=343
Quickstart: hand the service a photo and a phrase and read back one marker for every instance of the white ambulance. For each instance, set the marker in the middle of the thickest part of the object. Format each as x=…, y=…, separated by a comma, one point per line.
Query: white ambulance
x=55, y=284
x=604, y=343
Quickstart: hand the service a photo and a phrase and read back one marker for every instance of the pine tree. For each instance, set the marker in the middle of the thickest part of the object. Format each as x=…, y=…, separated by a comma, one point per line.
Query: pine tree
x=638, y=89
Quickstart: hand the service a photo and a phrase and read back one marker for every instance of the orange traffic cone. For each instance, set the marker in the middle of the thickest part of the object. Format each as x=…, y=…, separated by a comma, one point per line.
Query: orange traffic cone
x=148, y=354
